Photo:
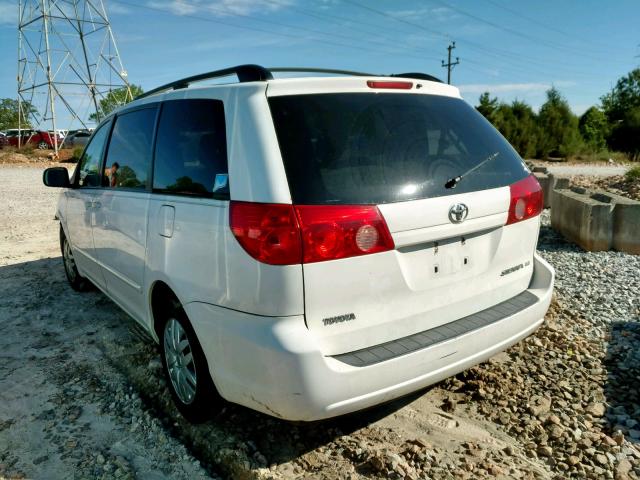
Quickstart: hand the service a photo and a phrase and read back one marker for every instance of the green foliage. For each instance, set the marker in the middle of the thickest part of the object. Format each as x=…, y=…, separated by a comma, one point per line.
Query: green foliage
x=560, y=126
x=488, y=106
x=622, y=108
x=624, y=96
x=625, y=134
x=77, y=153
x=633, y=174
x=9, y=114
x=594, y=129
x=524, y=134
x=114, y=99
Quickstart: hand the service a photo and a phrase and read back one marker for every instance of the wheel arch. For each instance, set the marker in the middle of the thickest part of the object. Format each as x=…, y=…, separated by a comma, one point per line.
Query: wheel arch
x=161, y=300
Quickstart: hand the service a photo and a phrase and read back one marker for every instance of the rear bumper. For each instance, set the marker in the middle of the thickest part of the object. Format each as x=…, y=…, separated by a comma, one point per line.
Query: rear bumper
x=274, y=365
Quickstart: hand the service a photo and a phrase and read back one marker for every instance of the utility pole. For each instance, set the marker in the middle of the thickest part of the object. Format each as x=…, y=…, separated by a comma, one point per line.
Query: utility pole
x=449, y=64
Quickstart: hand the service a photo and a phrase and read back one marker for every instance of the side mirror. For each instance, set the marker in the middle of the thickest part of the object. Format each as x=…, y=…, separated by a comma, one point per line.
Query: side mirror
x=56, y=177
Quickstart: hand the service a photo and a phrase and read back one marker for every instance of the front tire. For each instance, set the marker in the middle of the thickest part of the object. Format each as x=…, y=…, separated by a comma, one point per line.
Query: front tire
x=77, y=281
x=43, y=145
x=186, y=369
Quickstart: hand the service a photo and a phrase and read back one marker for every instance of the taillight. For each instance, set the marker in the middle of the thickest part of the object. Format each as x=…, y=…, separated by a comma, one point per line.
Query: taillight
x=330, y=232
x=268, y=232
x=389, y=84
x=281, y=234
x=526, y=200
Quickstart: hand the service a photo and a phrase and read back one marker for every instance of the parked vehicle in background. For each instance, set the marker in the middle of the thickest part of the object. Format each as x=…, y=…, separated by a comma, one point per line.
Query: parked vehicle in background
x=37, y=138
x=307, y=247
x=3, y=139
x=76, y=138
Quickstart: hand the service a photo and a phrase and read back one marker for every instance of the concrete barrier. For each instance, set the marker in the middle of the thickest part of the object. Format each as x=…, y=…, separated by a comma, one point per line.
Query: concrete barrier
x=596, y=220
x=549, y=182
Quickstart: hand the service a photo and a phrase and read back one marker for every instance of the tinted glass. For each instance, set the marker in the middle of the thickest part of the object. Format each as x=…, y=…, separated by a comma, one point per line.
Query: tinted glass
x=129, y=153
x=191, y=149
x=365, y=148
x=89, y=166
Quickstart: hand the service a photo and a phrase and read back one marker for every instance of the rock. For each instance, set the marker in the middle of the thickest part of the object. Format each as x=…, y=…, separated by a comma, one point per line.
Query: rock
x=100, y=459
x=573, y=460
x=618, y=437
x=602, y=459
x=544, y=451
x=623, y=467
x=596, y=409
x=539, y=405
x=635, y=434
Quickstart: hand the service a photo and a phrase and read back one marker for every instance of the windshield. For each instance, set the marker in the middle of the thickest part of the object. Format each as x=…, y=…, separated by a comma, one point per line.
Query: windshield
x=372, y=148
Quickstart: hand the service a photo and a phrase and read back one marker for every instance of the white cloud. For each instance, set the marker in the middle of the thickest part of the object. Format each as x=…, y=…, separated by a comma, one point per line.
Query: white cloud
x=116, y=9
x=512, y=87
x=9, y=13
x=220, y=8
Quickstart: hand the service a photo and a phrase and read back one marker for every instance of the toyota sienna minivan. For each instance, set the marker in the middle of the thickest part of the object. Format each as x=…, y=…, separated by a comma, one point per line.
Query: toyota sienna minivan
x=307, y=246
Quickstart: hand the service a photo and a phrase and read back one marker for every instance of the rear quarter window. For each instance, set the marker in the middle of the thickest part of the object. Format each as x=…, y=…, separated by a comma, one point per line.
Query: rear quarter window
x=371, y=148
x=191, y=149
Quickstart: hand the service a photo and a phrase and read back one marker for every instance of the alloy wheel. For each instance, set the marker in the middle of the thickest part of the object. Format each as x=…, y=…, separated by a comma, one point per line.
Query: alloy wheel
x=179, y=358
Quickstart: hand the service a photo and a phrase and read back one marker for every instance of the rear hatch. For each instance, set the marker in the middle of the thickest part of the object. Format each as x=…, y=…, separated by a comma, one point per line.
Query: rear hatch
x=394, y=151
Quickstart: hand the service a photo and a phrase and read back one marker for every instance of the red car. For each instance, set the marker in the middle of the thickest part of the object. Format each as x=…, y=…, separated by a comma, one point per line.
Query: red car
x=39, y=138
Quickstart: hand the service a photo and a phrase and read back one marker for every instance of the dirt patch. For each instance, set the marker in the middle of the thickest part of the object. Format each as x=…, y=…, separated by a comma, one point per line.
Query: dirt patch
x=14, y=156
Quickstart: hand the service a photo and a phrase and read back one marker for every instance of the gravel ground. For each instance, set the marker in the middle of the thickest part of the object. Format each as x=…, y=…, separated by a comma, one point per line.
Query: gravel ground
x=82, y=393
x=597, y=170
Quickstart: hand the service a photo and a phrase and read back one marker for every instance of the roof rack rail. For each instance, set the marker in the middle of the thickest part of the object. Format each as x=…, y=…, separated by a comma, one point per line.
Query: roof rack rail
x=419, y=76
x=245, y=73
x=320, y=70
x=256, y=73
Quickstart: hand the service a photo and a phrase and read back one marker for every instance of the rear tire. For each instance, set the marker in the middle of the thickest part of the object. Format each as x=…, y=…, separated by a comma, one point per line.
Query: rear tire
x=186, y=368
x=43, y=145
x=77, y=281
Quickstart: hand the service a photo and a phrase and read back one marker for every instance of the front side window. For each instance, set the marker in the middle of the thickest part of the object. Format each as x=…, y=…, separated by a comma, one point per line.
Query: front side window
x=129, y=154
x=89, y=166
x=191, y=149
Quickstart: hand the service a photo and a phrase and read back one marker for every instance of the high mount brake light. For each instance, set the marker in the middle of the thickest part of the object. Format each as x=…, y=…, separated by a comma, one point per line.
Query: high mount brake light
x=526, y=200
x=280, y=234
x=390, y=84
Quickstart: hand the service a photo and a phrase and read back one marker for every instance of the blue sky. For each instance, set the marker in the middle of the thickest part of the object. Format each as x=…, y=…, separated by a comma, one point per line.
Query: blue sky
x=512, y=49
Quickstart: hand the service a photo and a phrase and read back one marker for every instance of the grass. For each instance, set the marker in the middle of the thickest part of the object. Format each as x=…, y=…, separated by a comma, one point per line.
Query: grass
x=633, y=174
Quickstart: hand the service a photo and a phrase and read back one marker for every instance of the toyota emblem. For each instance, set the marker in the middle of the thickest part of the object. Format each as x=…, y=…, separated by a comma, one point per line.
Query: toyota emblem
x=458, y=213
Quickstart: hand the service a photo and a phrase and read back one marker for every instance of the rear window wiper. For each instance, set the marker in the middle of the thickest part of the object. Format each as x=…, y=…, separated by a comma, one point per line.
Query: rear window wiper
x=452, y=182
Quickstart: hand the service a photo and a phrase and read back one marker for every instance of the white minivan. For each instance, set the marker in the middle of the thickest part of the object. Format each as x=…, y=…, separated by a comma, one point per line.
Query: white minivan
x=307, y=246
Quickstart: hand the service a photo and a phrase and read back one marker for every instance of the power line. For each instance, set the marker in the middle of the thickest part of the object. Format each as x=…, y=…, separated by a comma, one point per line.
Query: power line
x=539, y=23
x=498, y=52
x=520, y=34
x=270, y=32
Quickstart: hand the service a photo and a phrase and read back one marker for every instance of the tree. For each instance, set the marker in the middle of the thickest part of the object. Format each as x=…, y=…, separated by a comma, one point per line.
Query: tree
x=622, y=108
x=114, y=99
x=488, y=106
x=516, y=122
x=594, y=128
x=525, y=133
x=559, y=127
x=624, y=96
x=9, y=114
x=625, y=135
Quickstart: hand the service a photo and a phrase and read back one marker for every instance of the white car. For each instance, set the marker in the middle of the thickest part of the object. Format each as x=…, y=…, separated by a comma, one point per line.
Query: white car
x=307, y=247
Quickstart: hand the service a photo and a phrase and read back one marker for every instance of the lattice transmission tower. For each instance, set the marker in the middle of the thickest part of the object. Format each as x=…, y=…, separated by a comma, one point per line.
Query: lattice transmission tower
x=68, y=61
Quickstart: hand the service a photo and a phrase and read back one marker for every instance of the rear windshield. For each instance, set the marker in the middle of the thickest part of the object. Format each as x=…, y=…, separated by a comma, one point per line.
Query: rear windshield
x=371, y=148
